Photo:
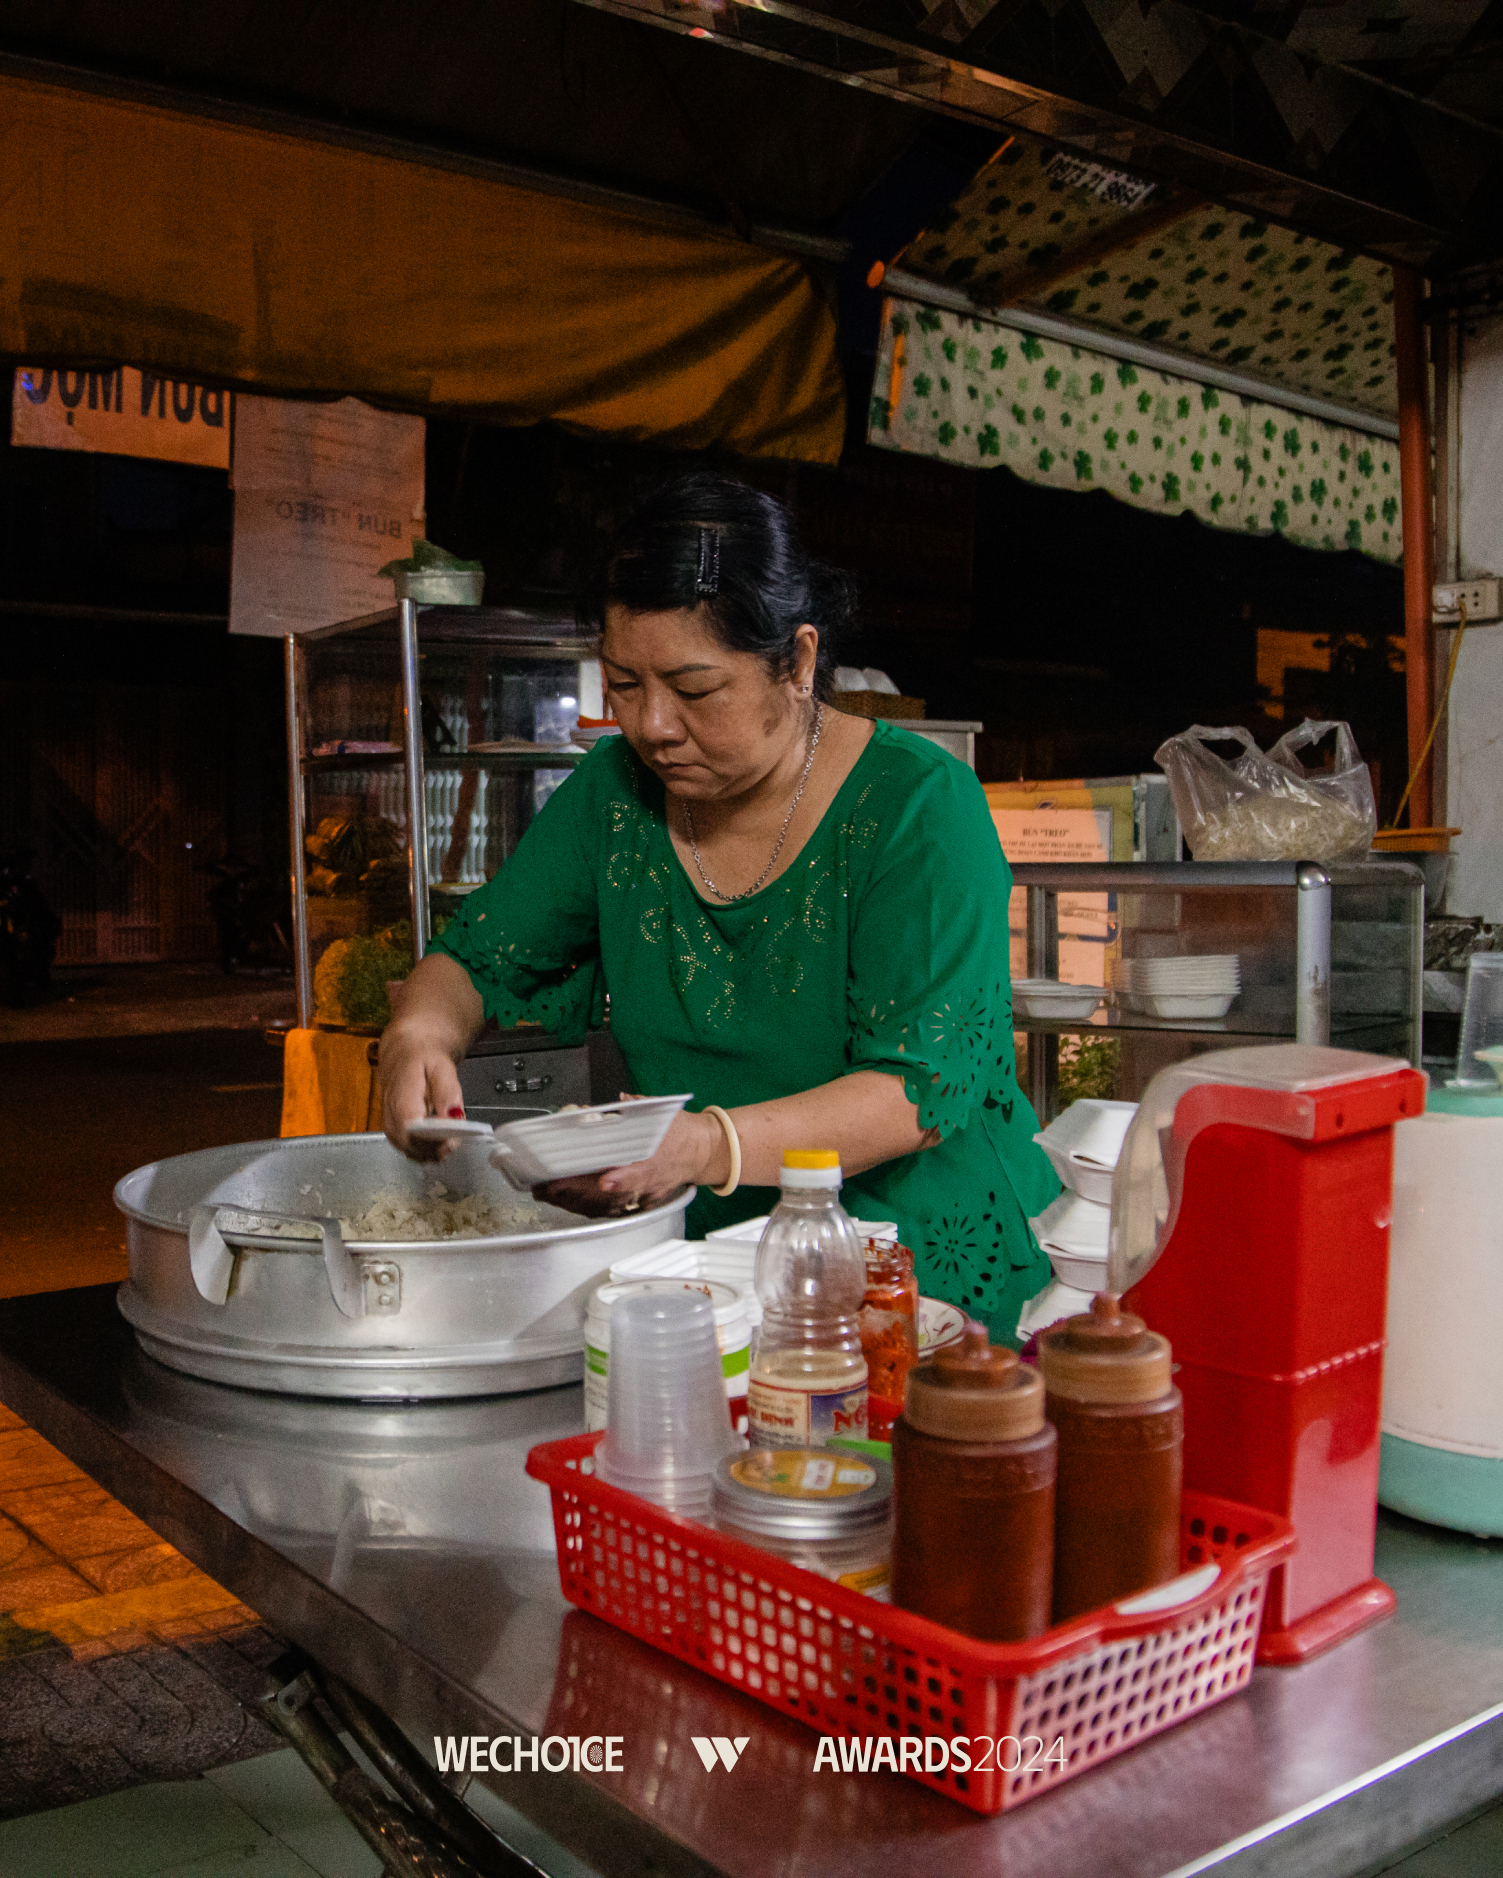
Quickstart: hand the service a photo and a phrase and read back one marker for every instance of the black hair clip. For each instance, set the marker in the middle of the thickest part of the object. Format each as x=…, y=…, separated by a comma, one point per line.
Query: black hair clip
x=707, y=579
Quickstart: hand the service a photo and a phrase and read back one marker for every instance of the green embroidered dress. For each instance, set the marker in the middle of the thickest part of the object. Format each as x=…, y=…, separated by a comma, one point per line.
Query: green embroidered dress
x=884, y=946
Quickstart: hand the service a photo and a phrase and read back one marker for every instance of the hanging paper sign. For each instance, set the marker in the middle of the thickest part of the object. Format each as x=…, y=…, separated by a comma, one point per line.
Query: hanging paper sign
x=325, y=495
x=1119, y=189
x=121, y=413
x=1085, y=919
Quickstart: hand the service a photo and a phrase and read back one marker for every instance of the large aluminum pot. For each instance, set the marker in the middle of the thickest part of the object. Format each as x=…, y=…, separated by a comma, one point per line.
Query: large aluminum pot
x=367, y=1473
x=450, y=1317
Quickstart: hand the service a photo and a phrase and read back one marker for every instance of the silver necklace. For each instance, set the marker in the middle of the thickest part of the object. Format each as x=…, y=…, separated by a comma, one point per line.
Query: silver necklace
x=731, y=898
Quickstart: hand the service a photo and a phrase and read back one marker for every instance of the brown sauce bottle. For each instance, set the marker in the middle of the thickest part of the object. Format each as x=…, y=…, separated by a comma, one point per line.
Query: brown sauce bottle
x=1121, y=1441
x=973, y=1493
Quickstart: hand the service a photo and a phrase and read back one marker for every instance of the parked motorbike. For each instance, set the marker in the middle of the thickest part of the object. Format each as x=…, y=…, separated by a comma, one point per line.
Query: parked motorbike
x=253, y=914
x=28, y=932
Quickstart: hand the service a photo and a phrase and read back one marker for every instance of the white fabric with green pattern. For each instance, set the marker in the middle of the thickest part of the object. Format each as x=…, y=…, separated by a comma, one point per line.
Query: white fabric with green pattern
x=981, y=393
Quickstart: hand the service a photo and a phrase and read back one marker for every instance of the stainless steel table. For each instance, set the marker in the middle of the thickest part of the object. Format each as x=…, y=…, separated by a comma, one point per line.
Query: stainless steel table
x=406, y=1551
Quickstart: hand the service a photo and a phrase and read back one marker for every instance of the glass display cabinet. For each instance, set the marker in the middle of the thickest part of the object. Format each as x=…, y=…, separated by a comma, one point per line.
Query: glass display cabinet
x=422, y=740
x=1327, y=954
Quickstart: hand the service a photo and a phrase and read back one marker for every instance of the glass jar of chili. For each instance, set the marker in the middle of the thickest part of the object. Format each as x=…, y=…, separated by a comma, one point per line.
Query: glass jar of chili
x=889, y=1318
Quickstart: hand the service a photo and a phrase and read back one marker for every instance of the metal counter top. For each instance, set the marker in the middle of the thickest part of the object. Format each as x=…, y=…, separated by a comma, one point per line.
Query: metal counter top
x=406, y=1550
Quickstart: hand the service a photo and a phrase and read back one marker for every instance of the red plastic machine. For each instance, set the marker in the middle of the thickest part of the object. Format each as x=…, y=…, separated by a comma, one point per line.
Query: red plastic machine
x=1250, y=1218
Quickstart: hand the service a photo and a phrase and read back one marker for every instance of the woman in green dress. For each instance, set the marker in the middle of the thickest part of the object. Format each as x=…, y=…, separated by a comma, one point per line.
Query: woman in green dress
x=799, y=915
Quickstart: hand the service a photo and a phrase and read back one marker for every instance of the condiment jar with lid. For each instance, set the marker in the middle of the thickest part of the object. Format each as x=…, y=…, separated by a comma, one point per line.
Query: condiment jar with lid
x=973, y=1493
x=821, y=1508
x=889, y=1318
x=1120, y=1420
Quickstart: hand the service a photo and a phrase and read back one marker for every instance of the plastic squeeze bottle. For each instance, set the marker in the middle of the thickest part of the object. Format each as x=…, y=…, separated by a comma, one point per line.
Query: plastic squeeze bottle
x=973, y=1493
x=808, y=1376
x=1121, y=1443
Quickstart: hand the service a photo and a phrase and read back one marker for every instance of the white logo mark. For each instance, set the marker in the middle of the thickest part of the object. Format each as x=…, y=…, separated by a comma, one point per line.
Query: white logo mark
x=721, y=1748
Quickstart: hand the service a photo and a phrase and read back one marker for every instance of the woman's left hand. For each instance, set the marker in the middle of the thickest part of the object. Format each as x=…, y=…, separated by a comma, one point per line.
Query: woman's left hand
x=693, y=1154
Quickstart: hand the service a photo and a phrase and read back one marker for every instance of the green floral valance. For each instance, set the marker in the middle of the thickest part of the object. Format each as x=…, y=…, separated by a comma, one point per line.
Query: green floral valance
x=981, y=393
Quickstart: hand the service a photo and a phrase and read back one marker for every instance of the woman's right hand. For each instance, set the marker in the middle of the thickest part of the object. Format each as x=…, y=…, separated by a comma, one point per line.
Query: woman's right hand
x=418, y=1078
x=440, y=1014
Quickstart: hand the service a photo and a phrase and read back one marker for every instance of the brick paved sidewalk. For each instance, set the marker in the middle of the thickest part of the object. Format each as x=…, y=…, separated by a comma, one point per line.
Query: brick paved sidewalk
x=120, y=1662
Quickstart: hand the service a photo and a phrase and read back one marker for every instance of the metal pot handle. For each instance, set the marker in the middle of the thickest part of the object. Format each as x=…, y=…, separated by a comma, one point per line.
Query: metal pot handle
x=346, y=1280
x=211, y=1261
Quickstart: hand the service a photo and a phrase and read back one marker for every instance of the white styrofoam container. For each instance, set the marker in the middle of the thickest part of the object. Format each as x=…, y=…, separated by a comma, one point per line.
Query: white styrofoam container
x=752, y=1230
x=1074, y=1224
x=730, y=1263
x=1083, y=1143
x=1046, y=997
x=583, y=1141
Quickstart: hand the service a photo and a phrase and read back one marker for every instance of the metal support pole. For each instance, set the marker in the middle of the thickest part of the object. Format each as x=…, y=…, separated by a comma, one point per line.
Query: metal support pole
x=412, y=740
x=419, y=1786
x=1312, y=954
x=302, y=956
x=1043, y=962
x=1416, y=497
x=387, y=1828
x=1414, y=919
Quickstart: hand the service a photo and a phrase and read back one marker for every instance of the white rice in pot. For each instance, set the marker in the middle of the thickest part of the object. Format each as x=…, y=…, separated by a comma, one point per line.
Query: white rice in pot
x=444, y=1216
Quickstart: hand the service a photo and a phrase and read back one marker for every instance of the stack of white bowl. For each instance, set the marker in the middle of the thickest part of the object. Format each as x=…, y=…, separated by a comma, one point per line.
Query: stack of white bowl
x=1083, y=1144
x=1204, y=986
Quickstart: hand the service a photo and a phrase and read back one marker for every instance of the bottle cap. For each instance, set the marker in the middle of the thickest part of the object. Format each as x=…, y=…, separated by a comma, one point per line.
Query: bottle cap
x=811, y=1167
x=1105, y=1355
x=975, y=1391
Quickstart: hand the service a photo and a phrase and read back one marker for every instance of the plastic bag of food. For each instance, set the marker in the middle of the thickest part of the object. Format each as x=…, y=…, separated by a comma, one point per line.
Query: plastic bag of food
x=1269, y=807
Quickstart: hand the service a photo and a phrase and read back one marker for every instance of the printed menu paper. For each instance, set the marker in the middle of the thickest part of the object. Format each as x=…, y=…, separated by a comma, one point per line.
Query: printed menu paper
x=325, y=495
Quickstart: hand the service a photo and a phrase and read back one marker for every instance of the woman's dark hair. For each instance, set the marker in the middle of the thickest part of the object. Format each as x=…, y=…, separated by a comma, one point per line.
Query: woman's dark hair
x=705, y=540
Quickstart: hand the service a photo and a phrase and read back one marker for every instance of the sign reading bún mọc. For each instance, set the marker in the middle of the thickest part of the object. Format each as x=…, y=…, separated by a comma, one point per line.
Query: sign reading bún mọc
x=121, y=412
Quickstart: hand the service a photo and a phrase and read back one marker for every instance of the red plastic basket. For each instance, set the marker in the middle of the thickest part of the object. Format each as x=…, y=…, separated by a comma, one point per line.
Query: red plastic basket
x=854, y=1668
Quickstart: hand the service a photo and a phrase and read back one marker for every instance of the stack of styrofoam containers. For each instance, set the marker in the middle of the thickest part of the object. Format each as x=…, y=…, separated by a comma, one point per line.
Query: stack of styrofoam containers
x=728, y=1257
x=1082, y=1144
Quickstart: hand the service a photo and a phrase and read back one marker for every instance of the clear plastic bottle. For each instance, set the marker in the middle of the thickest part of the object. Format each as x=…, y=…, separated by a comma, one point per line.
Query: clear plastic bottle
x=808, y=1376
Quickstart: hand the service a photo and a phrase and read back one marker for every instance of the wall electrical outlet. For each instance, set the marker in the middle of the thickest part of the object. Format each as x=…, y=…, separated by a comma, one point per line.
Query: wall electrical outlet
x=1483, y=600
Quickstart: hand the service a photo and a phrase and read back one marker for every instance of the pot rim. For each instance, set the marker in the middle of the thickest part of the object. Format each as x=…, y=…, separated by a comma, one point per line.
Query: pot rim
x=537, y=1240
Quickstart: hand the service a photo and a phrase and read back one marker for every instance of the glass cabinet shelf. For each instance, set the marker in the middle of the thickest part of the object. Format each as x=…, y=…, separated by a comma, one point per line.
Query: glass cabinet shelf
x=387, y=838
x=1326, y=954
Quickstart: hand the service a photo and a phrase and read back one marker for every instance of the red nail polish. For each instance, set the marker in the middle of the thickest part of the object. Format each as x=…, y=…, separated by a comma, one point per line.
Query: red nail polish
x=456, y=1114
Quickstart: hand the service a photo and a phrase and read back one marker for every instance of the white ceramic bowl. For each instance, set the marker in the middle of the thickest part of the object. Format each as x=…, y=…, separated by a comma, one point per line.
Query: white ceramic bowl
x=1164, y=1004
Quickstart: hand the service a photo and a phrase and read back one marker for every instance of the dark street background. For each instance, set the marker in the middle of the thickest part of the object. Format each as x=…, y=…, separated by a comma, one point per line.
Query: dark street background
x=81, y=1112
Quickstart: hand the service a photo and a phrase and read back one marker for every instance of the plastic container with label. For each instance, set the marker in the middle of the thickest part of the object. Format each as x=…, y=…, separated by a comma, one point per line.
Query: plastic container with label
x=733, y=1332
x=826, y=1511
x=809, y=1377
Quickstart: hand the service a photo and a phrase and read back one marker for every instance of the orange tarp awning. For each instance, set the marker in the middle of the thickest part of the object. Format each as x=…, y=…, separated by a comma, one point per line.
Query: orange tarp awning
x=247, y=257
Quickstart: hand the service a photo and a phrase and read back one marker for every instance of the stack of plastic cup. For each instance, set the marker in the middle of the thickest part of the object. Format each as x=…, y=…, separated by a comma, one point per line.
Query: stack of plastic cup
x=667, y=1421
x=1477, y=1062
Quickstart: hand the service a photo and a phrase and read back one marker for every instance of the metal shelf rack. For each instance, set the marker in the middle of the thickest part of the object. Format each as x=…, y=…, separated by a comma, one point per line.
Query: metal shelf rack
x=1331, y=953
